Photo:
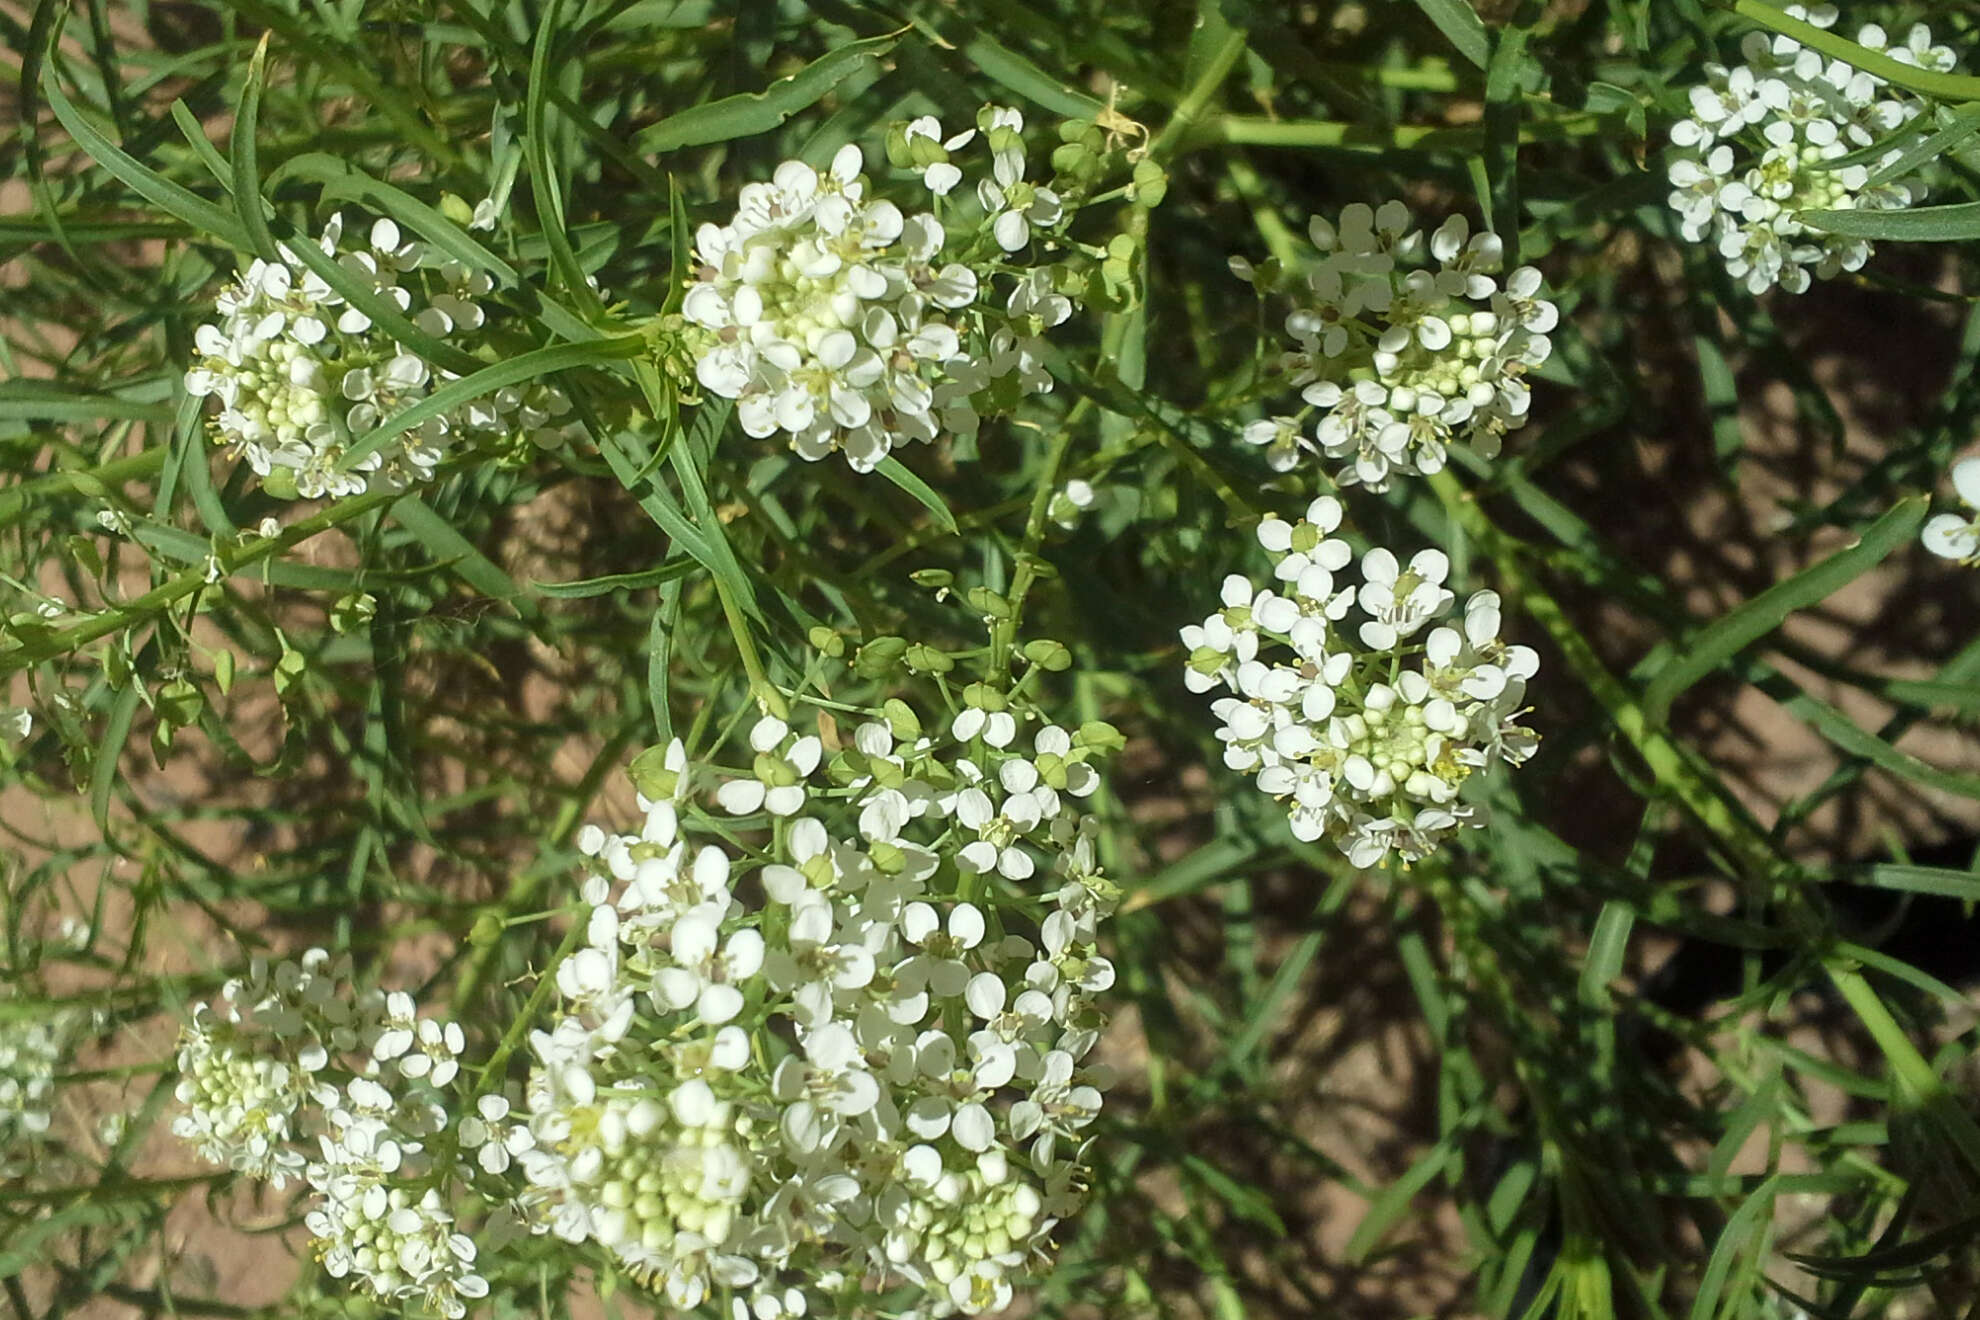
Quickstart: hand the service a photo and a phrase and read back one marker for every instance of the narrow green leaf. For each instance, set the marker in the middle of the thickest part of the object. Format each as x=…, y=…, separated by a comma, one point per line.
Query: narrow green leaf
x=1919, y=224
x=1461, y=26
x=449, y=547
x=891, y=468
x=1393, y=1201
x=749, y=113
x=110, y=749
x=604, y=586
x=1844, y=732
x=1733, y=1240
x=1964, y=885
x=1017, y=74
x=148, y=183
x=202, y=147
x=659, y=651
x=245, y=162
x=1606, y=948
x=544, y=181
x=42, y=401
x=1726, y=636
x=513, y=371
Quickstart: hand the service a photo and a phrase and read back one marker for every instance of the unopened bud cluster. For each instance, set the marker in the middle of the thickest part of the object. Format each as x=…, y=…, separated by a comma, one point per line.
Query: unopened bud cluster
x=301, y=374
x=1353, y=705
x=840, y=322
x=1784, y=134
x=1405, y=344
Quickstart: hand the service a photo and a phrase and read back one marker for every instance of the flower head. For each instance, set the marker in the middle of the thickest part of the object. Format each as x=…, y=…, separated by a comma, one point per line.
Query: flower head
x=1406, y=344
x=1362, y=709
x=1766, y=143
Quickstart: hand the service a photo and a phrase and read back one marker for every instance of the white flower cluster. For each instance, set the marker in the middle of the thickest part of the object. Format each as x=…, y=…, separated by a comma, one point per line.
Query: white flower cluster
x=838, y=321
x=260, y=1076
x=31, y=1054
x=847, y=1062
x=300, y=374
x=1401, y=359
x=1762, y=144
x=1957, y=536
x=1368, y=735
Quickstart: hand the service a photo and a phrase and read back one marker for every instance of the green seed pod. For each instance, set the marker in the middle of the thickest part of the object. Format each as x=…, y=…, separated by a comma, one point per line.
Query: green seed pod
x=902, y=719
x=827, y=642
x=878, y=657
x=486, y=932
x=1101, y=735
x=651, y=776
x=1048, y=654
x=932, y=577
x=923, y=659
x=987, y=602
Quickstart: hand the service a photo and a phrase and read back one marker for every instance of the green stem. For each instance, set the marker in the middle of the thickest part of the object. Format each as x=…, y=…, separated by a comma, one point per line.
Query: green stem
x=1218, y=68
x=760, y=686
x=1914, y=1074
x=61, y=641
x=84, y=481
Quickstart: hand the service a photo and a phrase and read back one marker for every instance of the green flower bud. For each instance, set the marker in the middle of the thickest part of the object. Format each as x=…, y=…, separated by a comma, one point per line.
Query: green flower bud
x=280, y=483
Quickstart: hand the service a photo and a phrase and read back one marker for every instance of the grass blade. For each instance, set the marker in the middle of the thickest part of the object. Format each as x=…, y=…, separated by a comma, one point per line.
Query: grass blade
x=1725, y=637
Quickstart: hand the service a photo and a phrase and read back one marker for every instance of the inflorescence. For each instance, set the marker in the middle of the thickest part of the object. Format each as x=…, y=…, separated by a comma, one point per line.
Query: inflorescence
x=840, y=322
x=1766, y=144
x=293, y=1073
x=1356, y=706
x=301, y=374
x=850, y=1058
x=1406, y=344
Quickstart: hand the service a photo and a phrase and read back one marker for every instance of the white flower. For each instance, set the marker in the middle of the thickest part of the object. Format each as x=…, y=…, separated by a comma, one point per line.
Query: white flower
x=873, y=1141
x=1951, y=535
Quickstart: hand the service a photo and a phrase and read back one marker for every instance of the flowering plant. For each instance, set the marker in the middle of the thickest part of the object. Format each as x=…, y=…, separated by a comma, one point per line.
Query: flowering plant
x=1540, y=884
